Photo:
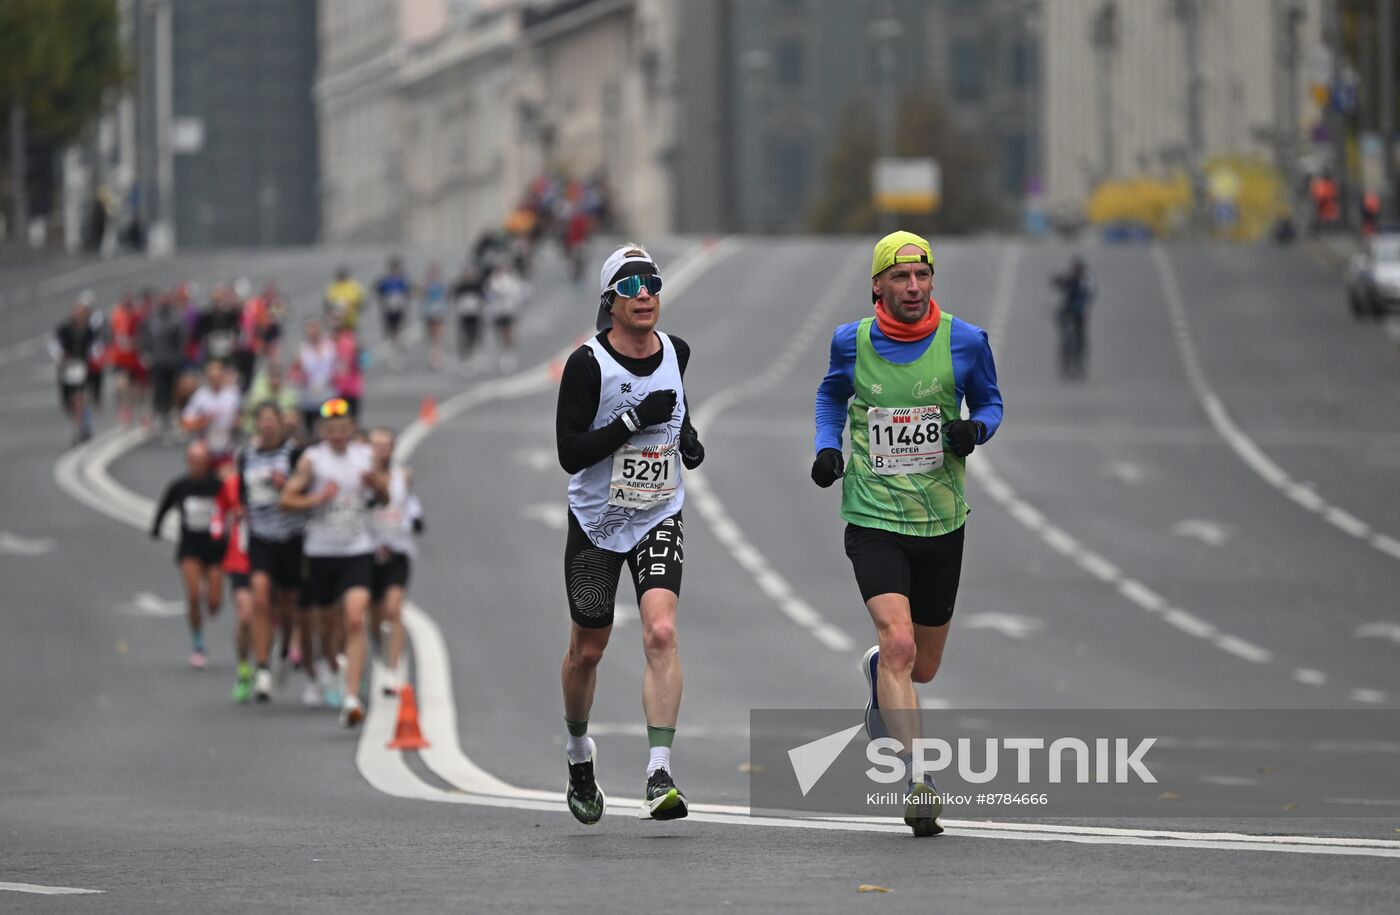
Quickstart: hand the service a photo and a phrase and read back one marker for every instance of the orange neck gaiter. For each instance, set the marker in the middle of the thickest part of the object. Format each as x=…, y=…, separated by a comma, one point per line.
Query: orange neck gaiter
x=896, y=329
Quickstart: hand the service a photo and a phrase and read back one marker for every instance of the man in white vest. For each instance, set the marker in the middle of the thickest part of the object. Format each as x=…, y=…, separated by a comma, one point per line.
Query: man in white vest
x=623, y=431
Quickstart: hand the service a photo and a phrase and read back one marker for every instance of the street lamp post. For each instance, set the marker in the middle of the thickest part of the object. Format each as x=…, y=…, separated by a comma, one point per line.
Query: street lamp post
x=883, y=35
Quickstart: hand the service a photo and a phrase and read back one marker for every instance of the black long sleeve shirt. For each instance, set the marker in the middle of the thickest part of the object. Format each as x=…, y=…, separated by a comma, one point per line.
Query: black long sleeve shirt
x=579, y=389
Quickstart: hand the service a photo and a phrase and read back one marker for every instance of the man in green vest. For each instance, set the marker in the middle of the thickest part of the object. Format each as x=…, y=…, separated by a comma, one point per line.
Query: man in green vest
x=905, y=373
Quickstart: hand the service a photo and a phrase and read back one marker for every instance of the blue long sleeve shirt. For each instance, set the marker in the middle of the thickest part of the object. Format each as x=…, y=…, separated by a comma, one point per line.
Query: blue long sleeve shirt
x=973, y=370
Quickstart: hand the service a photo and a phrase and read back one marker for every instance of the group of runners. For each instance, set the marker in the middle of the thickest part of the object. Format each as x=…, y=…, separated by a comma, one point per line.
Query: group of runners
x=899, y=378
x=328, y=527
x=309, y=519
x=316, y=542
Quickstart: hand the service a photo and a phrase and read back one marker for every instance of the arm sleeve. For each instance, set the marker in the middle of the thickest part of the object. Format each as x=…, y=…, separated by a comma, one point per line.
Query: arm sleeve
x=167, y=502
x=579, y=388
x=836, y=388
x=980, y=390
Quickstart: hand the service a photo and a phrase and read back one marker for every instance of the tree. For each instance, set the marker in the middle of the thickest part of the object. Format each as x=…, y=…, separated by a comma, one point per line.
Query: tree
x=58, y=58
x=924, y=129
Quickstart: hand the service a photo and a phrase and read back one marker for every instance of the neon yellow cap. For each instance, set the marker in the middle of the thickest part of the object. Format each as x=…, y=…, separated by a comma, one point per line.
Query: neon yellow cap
x=886, y=247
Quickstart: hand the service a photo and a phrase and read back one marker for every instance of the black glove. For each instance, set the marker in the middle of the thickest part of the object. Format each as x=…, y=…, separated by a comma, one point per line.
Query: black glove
x=828, y=467
x=962, y=435
x=692, y=452
x=655, y=409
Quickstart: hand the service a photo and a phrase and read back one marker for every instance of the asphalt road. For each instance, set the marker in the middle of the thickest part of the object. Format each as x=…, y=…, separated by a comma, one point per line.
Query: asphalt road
x=1204, y=523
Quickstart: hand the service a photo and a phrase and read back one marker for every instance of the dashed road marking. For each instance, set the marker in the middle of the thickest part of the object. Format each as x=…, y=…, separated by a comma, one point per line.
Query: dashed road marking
x=1253, y=457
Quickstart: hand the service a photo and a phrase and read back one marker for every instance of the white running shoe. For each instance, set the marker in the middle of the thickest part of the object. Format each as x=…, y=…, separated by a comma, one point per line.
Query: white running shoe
x=312, y=697
x=262, y=685
x=391, y=681
x=351, y=712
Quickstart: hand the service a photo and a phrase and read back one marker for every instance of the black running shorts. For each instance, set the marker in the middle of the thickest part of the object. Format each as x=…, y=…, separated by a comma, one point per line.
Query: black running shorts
x=238, y=581
x=591, y=573
x=280, y=560
x=389, y=572
x=199, y=545
x=924, y=569
x=329, y=577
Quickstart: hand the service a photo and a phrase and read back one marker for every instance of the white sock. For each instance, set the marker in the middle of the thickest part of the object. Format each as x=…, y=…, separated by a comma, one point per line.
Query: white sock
x=579, y=748
x=660, y=759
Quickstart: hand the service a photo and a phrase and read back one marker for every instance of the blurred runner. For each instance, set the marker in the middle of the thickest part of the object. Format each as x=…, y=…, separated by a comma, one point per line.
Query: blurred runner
x=468, y=297
x=392, y=526
x=97, y=355
x=73, y=341
x=435, y=308
x=335, y=483
x=212, y=413
x=393, y=291
x=349, y=377
x=162, y=349
x=125, y=358
x=228, y=515
x=313, y=372
x=274, y=538
x=1076, y=287
x=905, y=372
x=200, y=550
x=622, y=431
x=506, y=291
x=344, y=299
x=217, y=328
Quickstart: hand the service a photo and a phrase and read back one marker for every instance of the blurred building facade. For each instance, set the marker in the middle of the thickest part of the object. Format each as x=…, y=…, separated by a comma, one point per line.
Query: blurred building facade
x=1142, y=88
x=222, y=121
x=699, y=115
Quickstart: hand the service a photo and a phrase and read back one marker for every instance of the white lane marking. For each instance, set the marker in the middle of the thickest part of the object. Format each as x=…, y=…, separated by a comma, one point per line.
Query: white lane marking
x=1234, y=436
x=85, y=478
x=1211, y=533
x=144, y=603
x=1382, y=630
x=15, y=545
x=625, y=613
x=1309, y=677
x=38, y=890
x=703, y=496
x=1230, y=781
x=1242, y=649
x=1362, y=801
x=1011, y=625
x=1141, y=594
x=1368, y=696
x=553, y=515
x=1125, y=471
x=1101, y=568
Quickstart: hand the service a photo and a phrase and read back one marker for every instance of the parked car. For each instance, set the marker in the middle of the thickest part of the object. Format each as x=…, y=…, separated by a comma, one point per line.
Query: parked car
x=1373, y=279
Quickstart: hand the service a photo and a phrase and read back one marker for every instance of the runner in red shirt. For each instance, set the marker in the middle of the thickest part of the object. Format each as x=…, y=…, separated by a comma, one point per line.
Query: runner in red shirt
x=229, y=517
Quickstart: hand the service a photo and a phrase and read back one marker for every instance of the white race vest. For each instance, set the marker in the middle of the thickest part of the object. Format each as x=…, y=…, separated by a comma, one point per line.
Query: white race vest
x=391, y=524
x=617, y=500
x=340, y=527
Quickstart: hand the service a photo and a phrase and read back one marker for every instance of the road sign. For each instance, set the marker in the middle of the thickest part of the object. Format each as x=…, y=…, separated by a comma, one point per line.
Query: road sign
x=906, y=185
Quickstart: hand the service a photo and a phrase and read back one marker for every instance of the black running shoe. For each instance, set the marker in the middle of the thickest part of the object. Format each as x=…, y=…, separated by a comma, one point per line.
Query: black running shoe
x=586, y=800
x=663, y=800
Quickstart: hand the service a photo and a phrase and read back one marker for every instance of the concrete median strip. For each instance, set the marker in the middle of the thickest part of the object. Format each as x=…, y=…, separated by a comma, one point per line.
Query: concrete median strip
x=83, y=474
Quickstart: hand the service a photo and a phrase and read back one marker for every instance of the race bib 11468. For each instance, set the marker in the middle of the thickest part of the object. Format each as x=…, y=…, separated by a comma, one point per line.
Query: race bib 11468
x=905, y=439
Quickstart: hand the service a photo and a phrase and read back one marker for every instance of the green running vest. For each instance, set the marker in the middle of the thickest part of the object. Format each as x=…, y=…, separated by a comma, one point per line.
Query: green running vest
x=924, y=504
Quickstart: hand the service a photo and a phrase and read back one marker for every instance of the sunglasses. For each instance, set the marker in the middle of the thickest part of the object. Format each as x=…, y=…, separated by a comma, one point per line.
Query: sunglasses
x=629, y=287
x=338, y=406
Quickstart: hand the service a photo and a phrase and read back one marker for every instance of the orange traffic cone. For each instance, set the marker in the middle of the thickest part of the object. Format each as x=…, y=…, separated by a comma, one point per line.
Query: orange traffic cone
x=407, y=736
x=427, y=413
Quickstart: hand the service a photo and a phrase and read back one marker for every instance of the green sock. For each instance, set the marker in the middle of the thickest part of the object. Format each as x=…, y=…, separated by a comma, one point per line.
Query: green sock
x=660, y=736
x=576, y=728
